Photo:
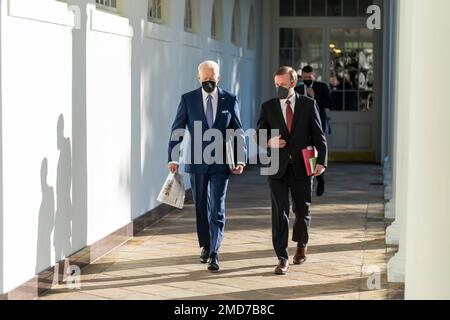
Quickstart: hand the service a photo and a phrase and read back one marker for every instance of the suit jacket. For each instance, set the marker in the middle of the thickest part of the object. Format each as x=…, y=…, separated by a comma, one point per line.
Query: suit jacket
x=191, y=111
x=307, y=131
x=323, y=99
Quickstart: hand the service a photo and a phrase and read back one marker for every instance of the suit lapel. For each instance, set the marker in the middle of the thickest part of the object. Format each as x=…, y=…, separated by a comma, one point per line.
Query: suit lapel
x=279, y=114
x=220, y=105
x=296, y=112
x=200, y=107
x=302, y=90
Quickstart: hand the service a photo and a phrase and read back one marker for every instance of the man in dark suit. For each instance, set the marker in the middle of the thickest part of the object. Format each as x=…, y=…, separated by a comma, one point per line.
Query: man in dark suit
x=320, y=92
x=208, y=110
x=297, y=119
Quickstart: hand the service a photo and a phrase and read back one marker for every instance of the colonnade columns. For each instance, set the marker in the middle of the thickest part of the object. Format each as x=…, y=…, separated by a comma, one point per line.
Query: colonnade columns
x=427, y=141
x=395, y=234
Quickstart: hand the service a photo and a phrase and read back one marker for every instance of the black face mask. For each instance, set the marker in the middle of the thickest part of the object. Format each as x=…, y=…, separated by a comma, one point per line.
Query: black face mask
x=209, y=86
x=282, y=93
x=308, y=83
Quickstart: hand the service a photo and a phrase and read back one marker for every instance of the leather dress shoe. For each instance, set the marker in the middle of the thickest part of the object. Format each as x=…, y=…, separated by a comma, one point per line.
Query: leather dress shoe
x=300, y=256
x=282, y=267
x=204, y=255
x=213, y=264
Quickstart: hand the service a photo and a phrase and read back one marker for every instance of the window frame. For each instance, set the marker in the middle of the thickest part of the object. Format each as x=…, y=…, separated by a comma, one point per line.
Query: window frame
x=151, y=5
x=189, y=14
x=217, y=13
x=251, y=32
x=236, y=25
x=107, y=8
x=359, y=13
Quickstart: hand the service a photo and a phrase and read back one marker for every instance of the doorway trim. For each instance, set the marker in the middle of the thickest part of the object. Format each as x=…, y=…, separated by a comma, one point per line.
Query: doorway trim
x=326, y=24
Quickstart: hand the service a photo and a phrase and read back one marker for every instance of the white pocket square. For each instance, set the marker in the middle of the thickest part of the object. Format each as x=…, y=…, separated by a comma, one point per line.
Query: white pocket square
x=225, y=112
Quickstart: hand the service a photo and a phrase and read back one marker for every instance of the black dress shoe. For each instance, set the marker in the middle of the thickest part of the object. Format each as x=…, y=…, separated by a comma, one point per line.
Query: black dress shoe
x=320, y=187
x=213, y=265
x=204, y=255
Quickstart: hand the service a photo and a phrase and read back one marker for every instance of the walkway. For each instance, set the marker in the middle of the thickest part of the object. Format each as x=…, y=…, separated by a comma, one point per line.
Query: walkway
x=347, y=242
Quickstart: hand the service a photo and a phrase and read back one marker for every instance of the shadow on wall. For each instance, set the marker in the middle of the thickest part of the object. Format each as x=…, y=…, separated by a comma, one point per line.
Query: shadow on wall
x=56, y=219
x=63, y=209
x=62, y=237
x=46, y=221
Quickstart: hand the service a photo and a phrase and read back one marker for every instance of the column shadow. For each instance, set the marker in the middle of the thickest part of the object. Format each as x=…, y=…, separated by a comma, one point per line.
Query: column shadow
x=46, y=221
x=62, y=236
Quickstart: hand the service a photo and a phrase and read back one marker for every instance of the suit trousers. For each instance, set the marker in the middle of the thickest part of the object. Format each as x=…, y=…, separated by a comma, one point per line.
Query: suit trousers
x=209, y=191
x=301, y=194
x=321, y=178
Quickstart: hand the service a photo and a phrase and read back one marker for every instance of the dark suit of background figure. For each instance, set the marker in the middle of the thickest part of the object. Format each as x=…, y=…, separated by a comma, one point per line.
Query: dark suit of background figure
x=322, y=95
x=323, y=99
x=209, y=182
x=291, y=176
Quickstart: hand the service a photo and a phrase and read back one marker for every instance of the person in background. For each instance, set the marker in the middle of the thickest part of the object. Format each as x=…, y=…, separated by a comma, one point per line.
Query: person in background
x=320, y=92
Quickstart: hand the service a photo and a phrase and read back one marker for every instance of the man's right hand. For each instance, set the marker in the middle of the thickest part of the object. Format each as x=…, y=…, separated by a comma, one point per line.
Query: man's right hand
x=173, y=167
x=276, y=143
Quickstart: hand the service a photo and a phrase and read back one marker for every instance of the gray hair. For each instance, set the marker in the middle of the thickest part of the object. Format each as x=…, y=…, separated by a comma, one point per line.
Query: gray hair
x=210, y=65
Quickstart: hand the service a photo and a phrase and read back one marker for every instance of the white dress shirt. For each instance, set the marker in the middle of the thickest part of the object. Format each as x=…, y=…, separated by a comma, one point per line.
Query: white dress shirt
x=215, y=99
x=284, y=106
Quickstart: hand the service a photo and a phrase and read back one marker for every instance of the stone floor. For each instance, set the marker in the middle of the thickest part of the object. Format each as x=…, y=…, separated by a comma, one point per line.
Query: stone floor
x=346, y=247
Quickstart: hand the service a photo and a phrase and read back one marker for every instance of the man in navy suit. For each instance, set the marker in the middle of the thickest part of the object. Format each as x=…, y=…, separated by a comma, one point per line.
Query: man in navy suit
x=320, y=92
x=207, y=111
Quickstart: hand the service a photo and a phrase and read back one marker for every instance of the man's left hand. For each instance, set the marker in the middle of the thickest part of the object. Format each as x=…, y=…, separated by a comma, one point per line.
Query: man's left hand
x=239, y=170
x=310, y=92
x=319, y=170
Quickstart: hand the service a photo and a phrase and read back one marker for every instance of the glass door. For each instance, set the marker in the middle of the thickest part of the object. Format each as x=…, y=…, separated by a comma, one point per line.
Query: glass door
x=351, y=62
x=343, y=57
x=351, y=78
x=302, y=46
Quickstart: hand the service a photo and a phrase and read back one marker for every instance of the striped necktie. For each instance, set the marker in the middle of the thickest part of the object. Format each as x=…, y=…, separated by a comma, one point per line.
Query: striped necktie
x=209, y=112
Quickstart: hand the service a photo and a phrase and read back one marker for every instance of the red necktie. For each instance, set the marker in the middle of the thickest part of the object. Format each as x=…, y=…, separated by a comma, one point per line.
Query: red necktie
x=289, y=115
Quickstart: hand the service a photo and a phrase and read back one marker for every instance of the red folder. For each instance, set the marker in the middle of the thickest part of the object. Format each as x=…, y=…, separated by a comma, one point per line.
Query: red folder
x=310, y=158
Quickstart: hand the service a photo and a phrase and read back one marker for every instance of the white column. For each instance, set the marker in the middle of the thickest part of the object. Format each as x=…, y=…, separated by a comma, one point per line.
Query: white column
x=395, y=234
x=390, y=29
x=428, y=198
x=387, y=169
x=1, y=152
x=389, y=209
x=388, y=187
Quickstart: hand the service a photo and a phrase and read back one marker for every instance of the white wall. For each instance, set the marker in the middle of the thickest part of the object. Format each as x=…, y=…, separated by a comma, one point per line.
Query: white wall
x=108, y=129
x=36, y=82
x=116, y=82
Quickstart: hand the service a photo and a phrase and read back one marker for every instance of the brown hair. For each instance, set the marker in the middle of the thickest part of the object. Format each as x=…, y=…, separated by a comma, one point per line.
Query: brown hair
x=287, y=70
